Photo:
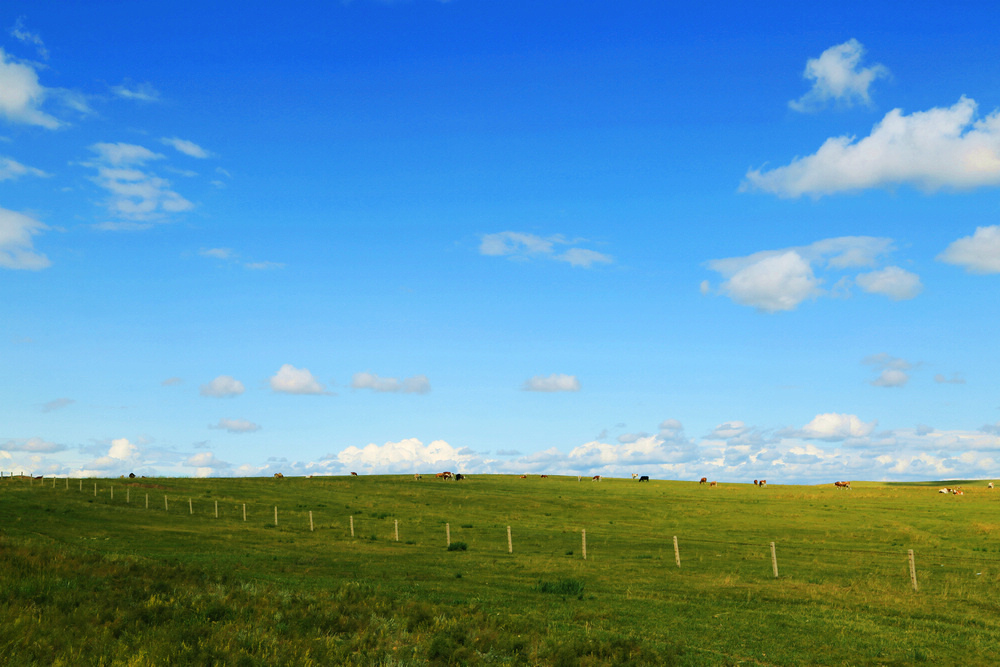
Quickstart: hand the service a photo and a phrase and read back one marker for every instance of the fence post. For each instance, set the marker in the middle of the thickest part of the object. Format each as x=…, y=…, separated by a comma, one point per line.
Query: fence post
x=216, y=509
x=913, y=571
x=81, y=482
x=67, y=483
x=275, y=515
x=166, y=505
x=128, y=496
x=774, y=561
x=244, y=511
x=447, y=533
x=352, y=526
x=53, y=482
x=677, y=552
x=147, y=501
x=190, y=507
x=584, y=534
x=112, y=492
x=510, y=544
x=396, y=522
x=95, y=489
x=310, y=521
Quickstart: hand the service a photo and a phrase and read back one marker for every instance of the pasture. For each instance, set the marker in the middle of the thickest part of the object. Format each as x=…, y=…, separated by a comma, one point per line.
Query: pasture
x=94, y=576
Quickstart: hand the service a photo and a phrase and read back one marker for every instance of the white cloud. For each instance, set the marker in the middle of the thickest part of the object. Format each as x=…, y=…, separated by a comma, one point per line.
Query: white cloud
x=141, y=92
x=137, y=197
x=896, y=283
x=21, y=96
x=780, y=280
x=33, y=445
x=291, y=380
x=838, y=77
x=956, y=378
x=218, y=253
x=979, y=253
x=22, y=34
x=552, y=383
x=206, y=463
x=17, y=249
x=236, y=425
x=11, y=169
x=834, y=427
x=893, y=370
x=223, y=386
x=409, y=455
x=418, y=384
x=189, y=148
x=930, y=150
x=523, y=246
x=172, y=381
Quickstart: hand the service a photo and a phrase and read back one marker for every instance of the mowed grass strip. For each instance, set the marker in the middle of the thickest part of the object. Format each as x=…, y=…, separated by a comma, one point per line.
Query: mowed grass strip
x=252, y=592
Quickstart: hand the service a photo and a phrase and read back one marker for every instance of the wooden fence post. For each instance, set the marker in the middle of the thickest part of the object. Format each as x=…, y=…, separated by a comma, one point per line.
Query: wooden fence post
x=913, y=571
x=166, y=505
x=81, y=482
x=677, y=552
x=244, y=511
x=128, y=496
x=67, y=483
x=310, y=521
x=396, y=522
x=190, y=507
x=510, y=544
x=584, y=535
x=447, y=533
x=112, y=492
x=95, y=489
x=774, y=561
x=147, y=501
x=275, y=515
x=352, y=526
x=216, y=509
x=53, y=482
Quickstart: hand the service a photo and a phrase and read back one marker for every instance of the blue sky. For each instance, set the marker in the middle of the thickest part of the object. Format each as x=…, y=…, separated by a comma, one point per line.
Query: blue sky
x=387, y=237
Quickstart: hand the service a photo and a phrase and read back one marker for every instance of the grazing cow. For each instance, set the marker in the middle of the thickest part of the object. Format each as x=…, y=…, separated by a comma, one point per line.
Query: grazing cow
x=543, y=476
x=763, y=483
x=704, y=480
x=644, y=478
x=131, y=475
x=278, y=475
x=944, y=490
x=990, y=485
x=755, y=483
x=524, y=477
x=842, y=485
x=595, y=478
x=443, y=475
x=635, y=475
x=354, y=474
x=459, y=476
x=416, y=476
x=958, y=492
x=713, y=483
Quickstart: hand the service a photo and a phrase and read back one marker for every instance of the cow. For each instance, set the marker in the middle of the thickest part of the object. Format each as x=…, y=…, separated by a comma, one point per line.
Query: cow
x=990, y=485
x=416, y=476
x=543, y=476
x=704, y=480
x=635, y=475
x=354, y=474
x=443, y=475
x=595, y=478
x=524, y=477
x=944, y=490
x=131, y=475
x=842, y=485
x=713, y=483
x=756, y=483
x=644, y=478
x=763, y=483
x=958, y=492
x=278, y=475
x=459, y=476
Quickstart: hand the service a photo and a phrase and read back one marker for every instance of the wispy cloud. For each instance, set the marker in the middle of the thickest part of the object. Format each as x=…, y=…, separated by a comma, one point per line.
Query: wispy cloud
x=522, y=246
x=17, y=250
x=552, y=383
x=930, y=150
x=893, y=371
x=236, y=425
x=12, y=169
x=838, y=77
x=418, y=384
x=57, y=404
x=23, y=95
x=137, y=197
x=141, y=92
x=22, y=34
x=292, y=380
x=186, y=147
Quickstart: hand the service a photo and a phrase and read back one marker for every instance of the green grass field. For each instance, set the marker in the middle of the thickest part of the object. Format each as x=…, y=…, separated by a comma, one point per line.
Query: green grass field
x=100, y=579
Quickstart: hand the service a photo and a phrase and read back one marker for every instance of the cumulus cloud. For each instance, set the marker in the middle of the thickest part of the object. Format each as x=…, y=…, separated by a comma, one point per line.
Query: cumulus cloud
x=186, y=147
x=893, y=372
x=137, y=197
x=21, y=95
x=17, y=250
x=409, y=455
x=292, y=380
x=838, y=77
x=551, y=383
x=780, y=280
x=930, y=150
x=523, y=246
x=206, y=464
x=224, y=386
x=236, y=425
x=418, y=384
x=896, y=283
x=979, y=253
x=834, y=427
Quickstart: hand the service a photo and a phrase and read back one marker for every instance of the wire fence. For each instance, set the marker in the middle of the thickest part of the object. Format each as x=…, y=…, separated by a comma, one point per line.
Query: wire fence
x=614, y=544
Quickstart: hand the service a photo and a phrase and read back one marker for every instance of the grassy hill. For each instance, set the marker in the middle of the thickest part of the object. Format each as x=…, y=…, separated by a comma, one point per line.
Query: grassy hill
x=91, y=575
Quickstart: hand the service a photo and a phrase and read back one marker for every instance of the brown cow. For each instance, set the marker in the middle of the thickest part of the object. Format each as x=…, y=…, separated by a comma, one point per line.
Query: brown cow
x=704, y=480
x=713, y=483
x=763, y=483
x=543, y=476
x=842, y=485
x=443, y=475
x=416, y=476
x=354, y=474
x=524, y=477
x=596, y=478
x=278, y=475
